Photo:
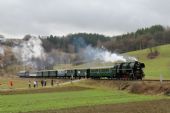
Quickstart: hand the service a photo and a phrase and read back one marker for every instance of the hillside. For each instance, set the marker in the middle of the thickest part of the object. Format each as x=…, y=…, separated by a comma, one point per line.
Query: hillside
x=140, y=39
x=157, y=66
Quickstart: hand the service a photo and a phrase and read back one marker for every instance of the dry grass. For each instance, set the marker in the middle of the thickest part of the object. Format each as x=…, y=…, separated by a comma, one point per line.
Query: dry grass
x=43, y=90
x=150, y=88
x=156, y=106
x=23, y=82
x=138, y=87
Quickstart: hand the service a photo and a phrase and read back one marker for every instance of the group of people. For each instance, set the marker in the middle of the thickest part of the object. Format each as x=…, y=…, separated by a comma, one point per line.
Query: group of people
x=42, y=82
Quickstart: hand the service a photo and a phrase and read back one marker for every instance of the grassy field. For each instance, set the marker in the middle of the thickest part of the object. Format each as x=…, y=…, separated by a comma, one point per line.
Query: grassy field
x=18, y=83
x=157, y=66
x=23, y=82
x=82, y=95
x=44, y=101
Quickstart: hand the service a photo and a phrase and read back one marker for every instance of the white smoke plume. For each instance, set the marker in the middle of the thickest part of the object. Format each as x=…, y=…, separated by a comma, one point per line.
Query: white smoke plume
x=30, y=50
x=31, y=53
x=102, y=54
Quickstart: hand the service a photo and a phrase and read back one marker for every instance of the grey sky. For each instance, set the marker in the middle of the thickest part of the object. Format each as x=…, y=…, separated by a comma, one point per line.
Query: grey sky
x=60, y=17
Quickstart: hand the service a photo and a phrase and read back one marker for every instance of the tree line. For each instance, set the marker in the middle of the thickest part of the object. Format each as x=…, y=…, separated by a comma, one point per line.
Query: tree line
x=72, y=42
x=141, y=39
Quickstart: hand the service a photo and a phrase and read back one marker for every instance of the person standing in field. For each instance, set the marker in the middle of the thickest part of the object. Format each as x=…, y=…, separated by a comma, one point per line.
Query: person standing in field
x=42, y=83
x=29, y=83
x=45, y=82
x=52, y=82
x=11, y=84
x=35, y=84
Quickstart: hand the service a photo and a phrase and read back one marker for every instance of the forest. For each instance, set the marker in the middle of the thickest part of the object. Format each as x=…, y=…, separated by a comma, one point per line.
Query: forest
x=143, y=38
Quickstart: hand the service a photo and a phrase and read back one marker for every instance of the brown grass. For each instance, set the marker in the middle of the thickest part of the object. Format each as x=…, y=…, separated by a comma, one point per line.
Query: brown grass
x=150, y=88
x=138, y=87
x=156, y=106
x=23, y=82
x=43, y=90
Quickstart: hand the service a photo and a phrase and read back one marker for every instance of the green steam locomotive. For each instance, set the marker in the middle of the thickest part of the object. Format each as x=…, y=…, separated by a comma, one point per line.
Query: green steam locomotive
x=125, y=70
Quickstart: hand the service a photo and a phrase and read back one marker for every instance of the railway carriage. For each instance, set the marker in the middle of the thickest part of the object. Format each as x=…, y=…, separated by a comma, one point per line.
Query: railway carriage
x=23, y=74
x=82, y=73
x=61, y=74
x=33, y=74
x=39, y=74
x=101, y=72
x=70, y=73
x=52, y=73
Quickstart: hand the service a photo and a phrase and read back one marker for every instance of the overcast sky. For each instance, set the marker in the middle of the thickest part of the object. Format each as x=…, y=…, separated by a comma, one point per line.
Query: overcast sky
x=60, y=17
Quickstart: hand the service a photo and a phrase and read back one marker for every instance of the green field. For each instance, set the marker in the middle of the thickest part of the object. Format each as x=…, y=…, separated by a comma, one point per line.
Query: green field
x=44, y=101
x=157, y=66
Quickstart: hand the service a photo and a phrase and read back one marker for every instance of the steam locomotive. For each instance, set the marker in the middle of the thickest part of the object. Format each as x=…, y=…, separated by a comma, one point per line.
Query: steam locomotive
x=126, y=70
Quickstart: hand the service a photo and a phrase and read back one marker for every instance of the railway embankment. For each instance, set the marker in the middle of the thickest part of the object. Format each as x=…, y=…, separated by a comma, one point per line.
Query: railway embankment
x=154, y=87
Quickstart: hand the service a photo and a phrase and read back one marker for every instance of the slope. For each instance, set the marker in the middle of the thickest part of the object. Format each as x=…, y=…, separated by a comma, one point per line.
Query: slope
x=157, y=66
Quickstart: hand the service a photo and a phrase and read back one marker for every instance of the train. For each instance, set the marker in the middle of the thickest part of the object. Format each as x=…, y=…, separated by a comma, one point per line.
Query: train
x=125, y=70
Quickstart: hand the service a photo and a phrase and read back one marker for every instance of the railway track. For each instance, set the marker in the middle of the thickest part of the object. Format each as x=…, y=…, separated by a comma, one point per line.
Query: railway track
x=155, y=80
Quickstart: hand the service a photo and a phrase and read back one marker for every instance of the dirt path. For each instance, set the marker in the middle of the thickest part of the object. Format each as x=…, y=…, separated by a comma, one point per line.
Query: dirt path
x=70, y=82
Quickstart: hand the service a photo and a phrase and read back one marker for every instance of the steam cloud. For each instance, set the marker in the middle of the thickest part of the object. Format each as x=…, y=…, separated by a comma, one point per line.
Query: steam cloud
x=90, y=53
x=30, y=52
x=104, y=55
